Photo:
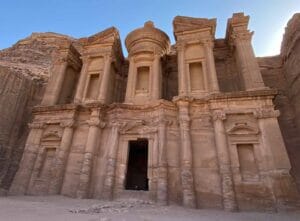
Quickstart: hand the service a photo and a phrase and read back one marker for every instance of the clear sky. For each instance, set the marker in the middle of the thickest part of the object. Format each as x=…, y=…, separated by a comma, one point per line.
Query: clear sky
x=81, y=18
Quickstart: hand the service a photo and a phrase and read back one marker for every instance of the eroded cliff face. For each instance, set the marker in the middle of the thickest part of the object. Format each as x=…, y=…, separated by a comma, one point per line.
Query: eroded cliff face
x=24, y=72
x=290, y=52
x=282, y=72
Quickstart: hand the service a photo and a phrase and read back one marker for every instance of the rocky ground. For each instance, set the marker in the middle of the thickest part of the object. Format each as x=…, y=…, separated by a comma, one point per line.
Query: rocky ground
x=61, y=208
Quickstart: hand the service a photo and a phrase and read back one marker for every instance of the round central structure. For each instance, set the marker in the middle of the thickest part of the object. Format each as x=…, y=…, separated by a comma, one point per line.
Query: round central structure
x=147, y=39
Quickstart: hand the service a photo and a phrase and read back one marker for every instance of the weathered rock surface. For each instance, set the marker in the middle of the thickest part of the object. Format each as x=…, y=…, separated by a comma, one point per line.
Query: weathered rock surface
x=24, y=71
x=290, y=52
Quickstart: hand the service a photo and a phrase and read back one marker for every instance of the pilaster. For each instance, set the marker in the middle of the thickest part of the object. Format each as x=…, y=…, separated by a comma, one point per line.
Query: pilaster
x=182, y=82
x=112, y=143
x=23, y=176
x=239, y=37
x=82, y=80
x=227, y=184
x=187, y=177
x=87, y=164
x=104, y=83
x=162, y=179
x=62, y=157
x=156, y=87
x=211, y=67
x=55, y=83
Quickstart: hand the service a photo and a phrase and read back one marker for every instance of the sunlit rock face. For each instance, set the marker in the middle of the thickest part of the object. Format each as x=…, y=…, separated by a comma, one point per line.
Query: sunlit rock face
x=194, y=123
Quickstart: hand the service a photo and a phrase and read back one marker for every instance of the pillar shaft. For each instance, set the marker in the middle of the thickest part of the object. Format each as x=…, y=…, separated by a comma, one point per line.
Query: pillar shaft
x=249, y=68
x=156, y=89
x=104, y=84
x=228, y=194
x=181, y=71
x=54, y=88
x=111, y=162
x=162, y=182
x=213, y=84
x=87, y=163
x=61, y=160
x=23, y=176
x=130, y=81
x=187, y=179
x=82, y=82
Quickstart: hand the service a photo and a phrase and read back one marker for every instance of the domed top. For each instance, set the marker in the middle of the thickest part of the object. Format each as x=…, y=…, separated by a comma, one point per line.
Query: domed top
x=147, y=38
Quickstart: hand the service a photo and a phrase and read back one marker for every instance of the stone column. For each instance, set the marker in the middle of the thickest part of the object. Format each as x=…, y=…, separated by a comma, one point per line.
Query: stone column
x=130, y=88
x=187, y=178
x=162, y=181
x=112, y=144
x=272, y=139
x=213, y=84
x=54, y=87
x=88, y=157
x=23, y=176
x=246, y=59
x=156, y=89
x=36, y=170
x=227, y=185
x=182, y=83
x=104, y=84
x=82, y=81
x=61, y=158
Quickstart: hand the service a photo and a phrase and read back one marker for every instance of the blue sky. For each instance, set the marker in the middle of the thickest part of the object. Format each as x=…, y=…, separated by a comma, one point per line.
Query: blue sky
x=80, y=18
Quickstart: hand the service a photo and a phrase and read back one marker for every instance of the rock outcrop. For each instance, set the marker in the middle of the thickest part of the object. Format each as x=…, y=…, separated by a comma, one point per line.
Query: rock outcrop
x=24, y=72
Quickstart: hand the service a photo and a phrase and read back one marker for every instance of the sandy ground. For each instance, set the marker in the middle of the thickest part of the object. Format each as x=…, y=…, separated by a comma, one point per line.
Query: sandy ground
x=59, y=208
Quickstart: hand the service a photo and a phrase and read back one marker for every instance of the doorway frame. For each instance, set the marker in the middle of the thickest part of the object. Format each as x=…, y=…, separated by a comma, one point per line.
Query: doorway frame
x=122, y=162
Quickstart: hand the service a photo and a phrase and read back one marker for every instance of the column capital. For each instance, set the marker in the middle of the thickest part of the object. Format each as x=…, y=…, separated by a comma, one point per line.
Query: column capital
x=241, y=36
x=37, y=125
x=96, y=122
x=218, y=115
x=266, y=113
x=207, y=43
x=68, y=123
x=180, y=46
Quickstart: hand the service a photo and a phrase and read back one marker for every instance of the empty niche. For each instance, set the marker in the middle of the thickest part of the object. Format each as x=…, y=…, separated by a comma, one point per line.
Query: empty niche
x=142, y=80
x=248, y=166
x=92, y=86
x=196, y=76
x=45, y=172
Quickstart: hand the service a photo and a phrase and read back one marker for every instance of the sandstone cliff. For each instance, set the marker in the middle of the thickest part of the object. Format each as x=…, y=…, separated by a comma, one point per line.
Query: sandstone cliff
x=24, y=71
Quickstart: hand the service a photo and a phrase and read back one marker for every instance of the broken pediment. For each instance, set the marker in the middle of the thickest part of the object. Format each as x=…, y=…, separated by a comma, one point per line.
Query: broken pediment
x=108, y=36
x=183, y=23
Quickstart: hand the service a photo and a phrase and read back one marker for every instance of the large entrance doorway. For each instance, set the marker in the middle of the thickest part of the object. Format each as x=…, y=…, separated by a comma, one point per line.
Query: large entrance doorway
x=136, y=178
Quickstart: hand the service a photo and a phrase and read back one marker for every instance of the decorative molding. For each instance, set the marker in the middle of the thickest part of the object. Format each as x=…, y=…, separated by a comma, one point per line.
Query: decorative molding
x=37, y=125
x=266, y=113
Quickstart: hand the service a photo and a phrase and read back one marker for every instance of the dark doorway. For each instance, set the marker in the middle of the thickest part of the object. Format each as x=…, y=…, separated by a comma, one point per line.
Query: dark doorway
x=136, y=178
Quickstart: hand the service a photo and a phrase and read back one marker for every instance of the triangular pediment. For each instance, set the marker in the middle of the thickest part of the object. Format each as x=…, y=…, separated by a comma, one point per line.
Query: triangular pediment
x=242, y=129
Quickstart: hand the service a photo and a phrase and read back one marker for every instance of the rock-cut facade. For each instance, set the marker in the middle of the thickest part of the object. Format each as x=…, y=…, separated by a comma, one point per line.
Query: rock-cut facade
x=191, y=123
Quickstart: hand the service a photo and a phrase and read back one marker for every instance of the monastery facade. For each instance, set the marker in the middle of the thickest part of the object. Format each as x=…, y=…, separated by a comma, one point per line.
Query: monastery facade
x=191, y=124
